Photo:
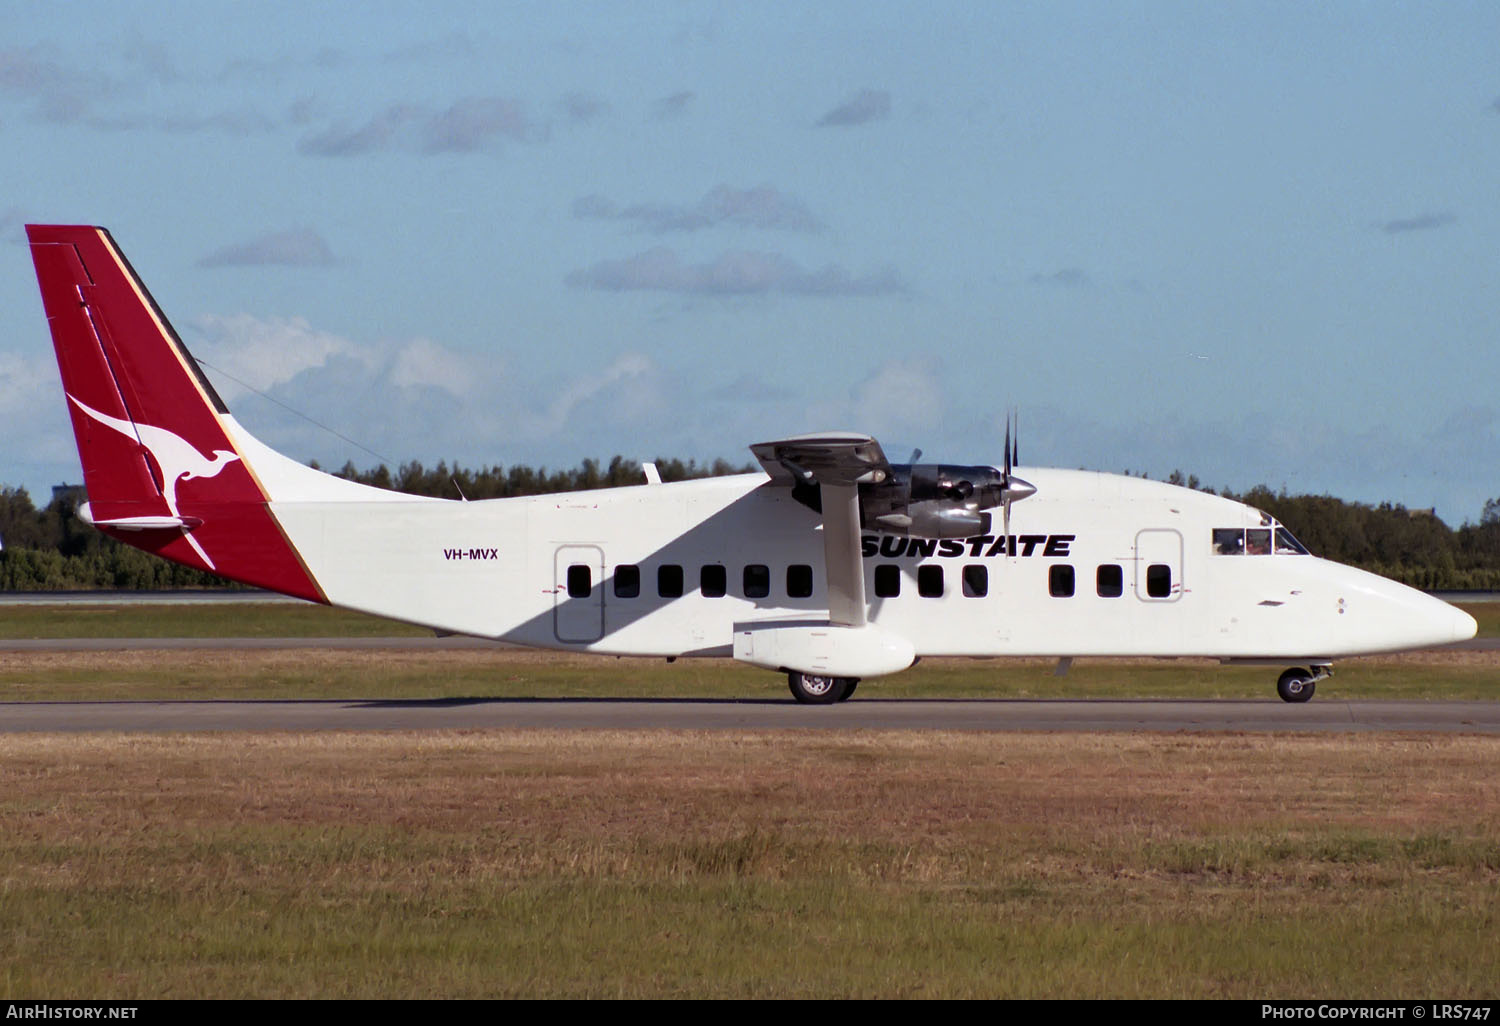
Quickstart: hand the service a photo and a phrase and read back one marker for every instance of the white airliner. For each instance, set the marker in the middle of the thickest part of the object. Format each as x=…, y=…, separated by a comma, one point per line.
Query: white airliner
x=833, y=565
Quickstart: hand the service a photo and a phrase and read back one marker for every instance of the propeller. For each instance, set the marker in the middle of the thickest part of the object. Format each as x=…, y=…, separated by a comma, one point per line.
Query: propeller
x=1014, y=488
x=1010, y=463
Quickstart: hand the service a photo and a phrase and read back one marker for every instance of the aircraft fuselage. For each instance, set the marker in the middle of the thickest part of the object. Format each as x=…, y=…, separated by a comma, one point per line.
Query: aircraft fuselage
x=1074, y=577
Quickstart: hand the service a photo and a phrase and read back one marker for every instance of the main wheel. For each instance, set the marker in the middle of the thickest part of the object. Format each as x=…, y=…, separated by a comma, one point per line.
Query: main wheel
x=1296, y=685
x=812, y=689
x=853, y=683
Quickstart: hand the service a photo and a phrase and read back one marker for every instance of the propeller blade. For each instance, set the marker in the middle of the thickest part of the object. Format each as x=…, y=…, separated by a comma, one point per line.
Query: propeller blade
x=1013, y=488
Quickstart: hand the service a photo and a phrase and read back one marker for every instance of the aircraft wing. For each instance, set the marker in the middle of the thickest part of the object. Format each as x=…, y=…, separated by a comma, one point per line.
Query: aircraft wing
x=835, y=457
x=839, y=462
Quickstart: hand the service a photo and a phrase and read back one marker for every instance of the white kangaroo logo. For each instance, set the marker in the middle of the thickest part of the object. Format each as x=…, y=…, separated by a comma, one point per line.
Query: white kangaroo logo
x=178, y=459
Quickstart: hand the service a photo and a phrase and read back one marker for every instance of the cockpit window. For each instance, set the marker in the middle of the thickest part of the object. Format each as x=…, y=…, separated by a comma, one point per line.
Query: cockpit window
x=1229, y=541
x=1286, y=545
x=1256, y=541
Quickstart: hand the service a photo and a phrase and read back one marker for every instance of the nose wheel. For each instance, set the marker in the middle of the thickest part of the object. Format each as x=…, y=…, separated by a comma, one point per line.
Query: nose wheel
x=1299, y=683
x=813, y=689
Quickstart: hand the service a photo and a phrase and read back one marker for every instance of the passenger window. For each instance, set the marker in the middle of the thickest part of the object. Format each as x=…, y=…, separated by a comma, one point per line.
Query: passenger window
x=627, y=581
x=1159, y=580
x=799, y=581
x=1258, y=542
x=1060, y=580
x=580, y=581
x=1229, y=541
x=757, y=580
x=669, y=580
x=930, y=581
x=1110, y=580
x=713, y=580
x=887, y=580
x=976, y=580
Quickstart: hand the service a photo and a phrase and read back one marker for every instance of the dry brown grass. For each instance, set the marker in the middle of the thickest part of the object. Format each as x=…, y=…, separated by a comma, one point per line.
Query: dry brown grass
x=668, y=862
x=943, y=794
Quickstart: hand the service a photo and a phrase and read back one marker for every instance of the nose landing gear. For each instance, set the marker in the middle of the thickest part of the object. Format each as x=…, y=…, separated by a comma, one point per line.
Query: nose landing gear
x=1298, y=683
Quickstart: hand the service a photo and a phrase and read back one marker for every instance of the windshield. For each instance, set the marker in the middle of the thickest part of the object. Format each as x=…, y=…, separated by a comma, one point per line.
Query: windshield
x=1286, y=545
x=1256, y=541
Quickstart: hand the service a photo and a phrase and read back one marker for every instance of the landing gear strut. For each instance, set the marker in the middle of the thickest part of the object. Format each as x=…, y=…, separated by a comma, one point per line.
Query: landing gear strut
x=1298, y=683
x=812, y=689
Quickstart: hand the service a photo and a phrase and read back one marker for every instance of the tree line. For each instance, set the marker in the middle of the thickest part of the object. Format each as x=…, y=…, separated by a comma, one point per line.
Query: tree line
x=50, y=549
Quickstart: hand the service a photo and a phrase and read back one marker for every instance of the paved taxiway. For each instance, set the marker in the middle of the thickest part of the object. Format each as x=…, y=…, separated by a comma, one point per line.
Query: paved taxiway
x=710, y=714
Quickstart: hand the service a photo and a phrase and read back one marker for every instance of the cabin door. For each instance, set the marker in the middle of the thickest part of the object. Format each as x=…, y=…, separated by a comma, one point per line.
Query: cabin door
x=1158, y=565
x=578, y=593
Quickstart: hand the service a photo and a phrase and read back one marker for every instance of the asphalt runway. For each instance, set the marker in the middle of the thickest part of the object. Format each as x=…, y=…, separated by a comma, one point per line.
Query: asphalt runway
x=759, y=714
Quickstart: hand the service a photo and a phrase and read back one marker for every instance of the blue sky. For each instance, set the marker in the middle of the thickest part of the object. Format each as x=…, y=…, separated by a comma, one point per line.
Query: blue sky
x=1258, y=242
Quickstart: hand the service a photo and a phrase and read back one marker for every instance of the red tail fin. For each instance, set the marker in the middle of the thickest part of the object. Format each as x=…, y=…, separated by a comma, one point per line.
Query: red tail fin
x=161, y=472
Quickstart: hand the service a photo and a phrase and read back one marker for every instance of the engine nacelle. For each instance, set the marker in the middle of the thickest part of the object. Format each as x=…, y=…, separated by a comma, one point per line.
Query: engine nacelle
x=934, y=520
x=930, y=500
x=925, y=500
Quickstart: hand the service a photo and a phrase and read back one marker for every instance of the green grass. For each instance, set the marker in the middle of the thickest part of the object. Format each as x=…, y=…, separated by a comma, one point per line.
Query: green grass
x=393, y=674
x=1487, y=614
x=723, y=936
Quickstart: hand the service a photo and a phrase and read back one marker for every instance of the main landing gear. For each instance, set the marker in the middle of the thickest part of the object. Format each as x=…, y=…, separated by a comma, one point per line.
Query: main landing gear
x=1298, y=683
x=811, y=689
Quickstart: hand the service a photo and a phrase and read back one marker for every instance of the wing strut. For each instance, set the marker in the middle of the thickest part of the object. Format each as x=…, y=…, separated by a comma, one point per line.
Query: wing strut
x=841, y=555
x=839, y=462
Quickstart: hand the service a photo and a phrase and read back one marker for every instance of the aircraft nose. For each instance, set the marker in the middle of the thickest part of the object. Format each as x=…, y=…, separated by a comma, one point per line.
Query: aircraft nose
x=1464, y=625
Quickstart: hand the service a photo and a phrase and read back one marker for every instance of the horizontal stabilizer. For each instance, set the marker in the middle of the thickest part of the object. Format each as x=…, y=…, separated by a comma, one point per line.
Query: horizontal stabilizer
x=137, y=523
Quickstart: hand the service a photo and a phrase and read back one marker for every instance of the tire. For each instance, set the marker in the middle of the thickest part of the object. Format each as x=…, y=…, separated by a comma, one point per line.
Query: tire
x=812, y=689
x=1296, y=685
x=853, y=683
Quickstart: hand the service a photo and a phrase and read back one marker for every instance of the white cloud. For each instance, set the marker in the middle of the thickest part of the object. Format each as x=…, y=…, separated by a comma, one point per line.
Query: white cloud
x=300, y=247
x=416, y=398
x=676, y=105
x=261, y=353
x=39, y=445
x=1420, y=223
x=903, y=398
x=627, y=378
x=468, y=125
x=760, y=207
x=866, y=105
x=27, y=383
x=734, y=273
